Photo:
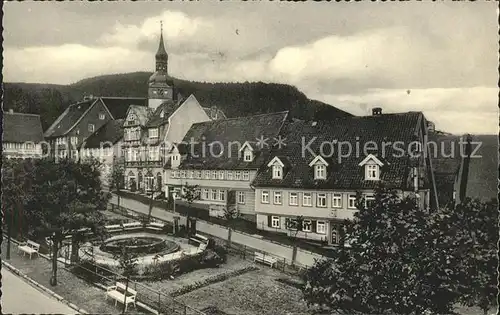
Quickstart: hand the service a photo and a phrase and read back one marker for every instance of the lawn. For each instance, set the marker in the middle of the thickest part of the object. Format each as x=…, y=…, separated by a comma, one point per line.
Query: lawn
x=70, y=287
x=255, y=292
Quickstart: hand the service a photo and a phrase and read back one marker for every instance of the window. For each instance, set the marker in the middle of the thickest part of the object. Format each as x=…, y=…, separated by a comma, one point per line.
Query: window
x=372, y=172
x=247, y=156
x=206, y=194
x=275, y=222
x=277, y=172
x=241, y=197
x=198, y=174
x=307, y=226
x=91, y=127
x=214, y=174
x=222, y=195
x=207, y=174
x=293, y=199
x=369, y=200
x=77, y=131
x=102, y=116
x=175, y=174
x=321, y=200
x=191, y=174
x=183, y=174
x=352, y=202
x=335, y=235
x=246, y=175
x=74, y=140
x=229, y=175
x=221, y=174
x=319, y=171
x=277, y=197
x=321, y=227
x=237, y=175
x=214, y=194
x=337, y=200
x=265, y=197
x=153, y=133
x=307, y=200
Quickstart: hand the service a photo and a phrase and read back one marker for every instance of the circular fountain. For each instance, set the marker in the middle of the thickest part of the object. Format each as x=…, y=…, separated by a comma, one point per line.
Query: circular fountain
x=140, y=245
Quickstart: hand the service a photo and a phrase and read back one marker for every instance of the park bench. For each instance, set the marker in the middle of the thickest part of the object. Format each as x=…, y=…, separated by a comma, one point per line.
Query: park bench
x=29, y=247
x=198, y=239
x=265, y=259
x=132, y=226
x=114, y=228
x=118, y=291
x=156, y=226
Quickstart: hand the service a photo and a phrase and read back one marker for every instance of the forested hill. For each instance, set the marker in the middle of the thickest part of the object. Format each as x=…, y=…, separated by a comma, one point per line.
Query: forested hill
x=235, y=99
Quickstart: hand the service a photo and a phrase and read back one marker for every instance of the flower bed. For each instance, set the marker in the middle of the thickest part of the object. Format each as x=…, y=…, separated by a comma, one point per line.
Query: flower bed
x=218, y=278
x=140, y=245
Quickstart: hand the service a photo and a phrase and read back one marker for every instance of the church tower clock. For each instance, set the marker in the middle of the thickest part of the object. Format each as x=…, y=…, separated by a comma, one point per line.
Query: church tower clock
x=161, y=86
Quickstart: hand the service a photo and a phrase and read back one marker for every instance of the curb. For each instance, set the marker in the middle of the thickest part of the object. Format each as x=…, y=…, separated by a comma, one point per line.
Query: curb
x=43, y=288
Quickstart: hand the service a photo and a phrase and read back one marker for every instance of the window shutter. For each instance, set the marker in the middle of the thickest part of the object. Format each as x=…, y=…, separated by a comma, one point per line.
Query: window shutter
x=269, y=220
x=313, y=223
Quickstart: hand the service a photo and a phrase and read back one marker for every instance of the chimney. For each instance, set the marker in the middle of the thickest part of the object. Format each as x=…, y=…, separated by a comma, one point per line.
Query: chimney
x=11, y=111
x=376, y=111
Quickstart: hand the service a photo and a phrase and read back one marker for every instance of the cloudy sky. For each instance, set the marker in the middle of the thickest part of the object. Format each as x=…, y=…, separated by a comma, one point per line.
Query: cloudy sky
x=439, y=58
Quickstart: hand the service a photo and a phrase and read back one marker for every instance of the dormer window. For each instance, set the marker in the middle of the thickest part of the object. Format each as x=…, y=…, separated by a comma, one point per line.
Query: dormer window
x=277, y=168
x=247, y=152
x=372, y=172
x=277, y=172
x=162, y=114
x=247, y=156
x=319, y=165
x=153, y=133
x=319, y=171
x=372, y=167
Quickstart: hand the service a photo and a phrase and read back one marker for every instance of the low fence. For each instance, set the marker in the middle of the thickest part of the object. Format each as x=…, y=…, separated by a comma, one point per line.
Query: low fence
x=303, y=258
x=162, y=303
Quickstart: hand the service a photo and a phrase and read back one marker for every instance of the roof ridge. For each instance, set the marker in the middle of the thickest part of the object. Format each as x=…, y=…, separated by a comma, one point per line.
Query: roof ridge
x=251, y=116
x=123, y=97
x=25, y=114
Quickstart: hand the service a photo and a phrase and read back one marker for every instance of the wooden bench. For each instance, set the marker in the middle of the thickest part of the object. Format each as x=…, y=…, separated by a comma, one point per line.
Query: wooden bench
x=132, y=226
x=29, y=247
x=265, y=259
x=114, y=228
x=156, y=226
x=117, y=293
x=198, y=239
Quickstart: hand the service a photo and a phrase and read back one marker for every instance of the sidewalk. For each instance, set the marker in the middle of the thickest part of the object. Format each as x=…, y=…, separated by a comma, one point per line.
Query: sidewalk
x=69, y=287
x=16, y=291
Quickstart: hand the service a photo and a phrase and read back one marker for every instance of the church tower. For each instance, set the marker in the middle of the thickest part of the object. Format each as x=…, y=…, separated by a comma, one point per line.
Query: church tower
x=161, y=86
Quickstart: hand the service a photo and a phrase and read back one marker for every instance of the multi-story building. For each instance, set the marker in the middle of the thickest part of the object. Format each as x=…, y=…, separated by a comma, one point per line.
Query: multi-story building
x=222, y=158
x=80, y=120
x=105, y=145
x=324, y=168
x=150, y=131
x=22, y=135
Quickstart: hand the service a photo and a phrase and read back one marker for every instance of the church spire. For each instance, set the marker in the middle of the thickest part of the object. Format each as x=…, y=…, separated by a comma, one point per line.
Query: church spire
x=161, y=55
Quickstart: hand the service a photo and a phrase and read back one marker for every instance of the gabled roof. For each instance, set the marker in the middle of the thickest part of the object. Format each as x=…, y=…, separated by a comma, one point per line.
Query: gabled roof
x=112, y=132
x=19, y=127
x=68, y=119
x=142, y=112
x=237, y=131
x=371, y=157
x=343, y=172
x=118, y=106
x=482, y=178
x=168, y=108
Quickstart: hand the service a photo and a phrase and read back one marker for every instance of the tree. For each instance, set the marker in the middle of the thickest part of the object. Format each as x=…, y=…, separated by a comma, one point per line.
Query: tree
x=230, y=214
x=189, y=193
x=391, y=266
x=468, y=233
x=117, y=179
x=128, y=262
x=15, y=187
x=65, y=201
x=295, y=224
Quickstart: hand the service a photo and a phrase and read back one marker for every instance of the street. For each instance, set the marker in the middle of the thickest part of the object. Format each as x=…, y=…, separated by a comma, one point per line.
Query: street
x=20, y=297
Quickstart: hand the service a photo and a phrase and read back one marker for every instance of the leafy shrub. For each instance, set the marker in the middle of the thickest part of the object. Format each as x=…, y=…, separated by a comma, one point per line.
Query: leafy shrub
x=91, y=272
